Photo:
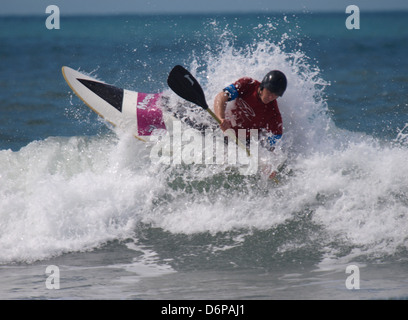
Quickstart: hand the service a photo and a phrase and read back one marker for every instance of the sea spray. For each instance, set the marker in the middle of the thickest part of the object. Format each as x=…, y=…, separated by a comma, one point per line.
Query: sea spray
x=342, y=193
x=348, y=183
x=66, y=194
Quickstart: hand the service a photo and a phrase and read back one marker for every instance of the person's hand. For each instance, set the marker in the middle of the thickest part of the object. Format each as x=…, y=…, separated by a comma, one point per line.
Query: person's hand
x=225, y=124
x=267, y=171
x=273, y=175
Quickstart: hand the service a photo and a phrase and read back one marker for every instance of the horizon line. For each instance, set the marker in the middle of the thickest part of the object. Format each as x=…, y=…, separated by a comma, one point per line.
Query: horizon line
x=181, y=13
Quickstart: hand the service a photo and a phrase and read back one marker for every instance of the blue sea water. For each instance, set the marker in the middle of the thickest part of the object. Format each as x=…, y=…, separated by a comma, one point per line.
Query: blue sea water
x=79, y=195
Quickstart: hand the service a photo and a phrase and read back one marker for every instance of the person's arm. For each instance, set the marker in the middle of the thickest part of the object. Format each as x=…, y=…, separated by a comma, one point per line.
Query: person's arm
x=220, y=104
x=275, y=130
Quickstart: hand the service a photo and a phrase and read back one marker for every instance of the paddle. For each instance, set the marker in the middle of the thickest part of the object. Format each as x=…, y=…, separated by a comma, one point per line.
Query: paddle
x=183, y=83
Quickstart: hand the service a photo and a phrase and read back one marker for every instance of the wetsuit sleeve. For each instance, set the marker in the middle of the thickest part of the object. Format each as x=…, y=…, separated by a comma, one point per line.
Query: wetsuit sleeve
x=239, y=88
x=273, y=139
x=232, y=92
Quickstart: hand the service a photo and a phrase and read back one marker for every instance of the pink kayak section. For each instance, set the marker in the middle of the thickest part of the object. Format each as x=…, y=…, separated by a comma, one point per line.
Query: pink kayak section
x=149, y=115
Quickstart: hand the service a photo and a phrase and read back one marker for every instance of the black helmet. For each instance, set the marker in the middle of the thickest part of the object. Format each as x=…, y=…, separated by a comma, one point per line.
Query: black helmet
x=275, y=81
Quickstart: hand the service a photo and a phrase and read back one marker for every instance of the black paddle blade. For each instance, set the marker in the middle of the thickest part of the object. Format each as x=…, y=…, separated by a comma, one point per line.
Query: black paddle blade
x=182, y=82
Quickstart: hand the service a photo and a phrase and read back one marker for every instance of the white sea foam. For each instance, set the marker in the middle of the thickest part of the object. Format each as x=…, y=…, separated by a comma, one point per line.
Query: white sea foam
x=62, y=194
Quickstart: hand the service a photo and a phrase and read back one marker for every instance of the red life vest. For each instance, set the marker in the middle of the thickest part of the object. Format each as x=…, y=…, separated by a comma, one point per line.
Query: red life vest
x=250, y=112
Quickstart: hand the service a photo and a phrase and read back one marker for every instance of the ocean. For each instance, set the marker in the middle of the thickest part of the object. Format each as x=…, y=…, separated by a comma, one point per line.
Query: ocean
x=85, y=213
